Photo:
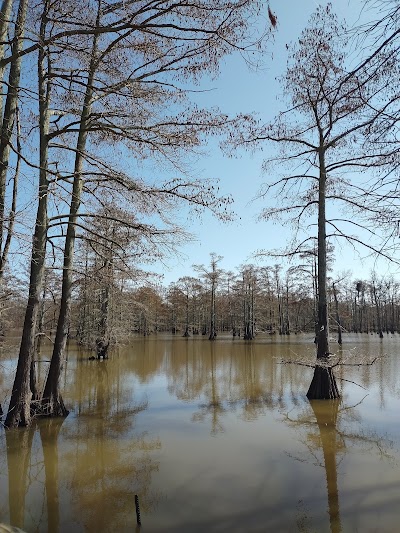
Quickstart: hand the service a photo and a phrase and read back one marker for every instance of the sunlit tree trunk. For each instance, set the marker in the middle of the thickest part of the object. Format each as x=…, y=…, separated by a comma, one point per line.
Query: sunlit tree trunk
x=13, y=210
x=323, y=385
x=186, y=332
x=248, y=304
x=5, y=15
x=323, y=330
x=52, y=403
x=279, y=298
x=213, y=333
x=104, y=335
x=378, y=312
x=339, y=325
x=19, y=409
x=10, y=109
x=287, y=318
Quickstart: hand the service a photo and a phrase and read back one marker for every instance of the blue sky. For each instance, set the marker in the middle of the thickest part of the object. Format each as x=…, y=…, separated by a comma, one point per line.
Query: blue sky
x=240, y=90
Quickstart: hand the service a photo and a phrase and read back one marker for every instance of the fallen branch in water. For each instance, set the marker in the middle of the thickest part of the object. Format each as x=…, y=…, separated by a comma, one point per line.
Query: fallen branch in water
x=353, y=382
x=301, y=363
x=330, y=362
x=358, y=364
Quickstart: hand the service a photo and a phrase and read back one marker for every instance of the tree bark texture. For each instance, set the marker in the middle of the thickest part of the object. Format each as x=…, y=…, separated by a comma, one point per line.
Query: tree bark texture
x=52, y=403
x=339, y=324
x=19, y=411
x=323, y=329
x=10, y=107
x=323, y=385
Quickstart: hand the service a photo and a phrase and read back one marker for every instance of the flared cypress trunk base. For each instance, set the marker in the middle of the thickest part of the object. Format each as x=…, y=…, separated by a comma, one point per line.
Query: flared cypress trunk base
x=51, y=407
x=19, y=412
x=323, y=385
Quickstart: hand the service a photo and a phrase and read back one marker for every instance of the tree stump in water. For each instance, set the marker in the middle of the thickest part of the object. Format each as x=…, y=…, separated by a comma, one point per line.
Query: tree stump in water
x=323, y=385
x=102, y=348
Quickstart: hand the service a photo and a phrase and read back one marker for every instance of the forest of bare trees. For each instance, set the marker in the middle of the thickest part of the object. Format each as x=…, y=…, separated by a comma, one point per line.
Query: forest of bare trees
x=254, y=300
x=89, y=102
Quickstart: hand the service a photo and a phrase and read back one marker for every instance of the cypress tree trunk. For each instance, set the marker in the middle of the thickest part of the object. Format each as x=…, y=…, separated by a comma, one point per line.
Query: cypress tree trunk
x=104, y=338
x=323, y=330
x=323, y=385
x=5, y=14
x=10, y=107
x=339, y=325
x=13, y=211
x=52, y=403
x=186, y=333
x=378, y=313
x=19, y=411
x=213, y=333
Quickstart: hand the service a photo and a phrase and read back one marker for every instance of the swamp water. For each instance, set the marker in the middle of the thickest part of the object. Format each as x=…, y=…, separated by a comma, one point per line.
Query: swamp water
x=212, y=437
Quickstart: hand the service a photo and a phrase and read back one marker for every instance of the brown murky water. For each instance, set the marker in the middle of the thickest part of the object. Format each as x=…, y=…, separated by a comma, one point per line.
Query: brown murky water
x=212, y=437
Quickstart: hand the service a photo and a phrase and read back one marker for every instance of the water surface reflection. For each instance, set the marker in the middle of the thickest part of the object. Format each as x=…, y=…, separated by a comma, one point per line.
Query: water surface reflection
x=212, y=436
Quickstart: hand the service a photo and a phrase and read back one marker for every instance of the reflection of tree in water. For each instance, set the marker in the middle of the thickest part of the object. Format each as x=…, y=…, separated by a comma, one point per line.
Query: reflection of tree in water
x=109, y=463
x=187, y=369
x=325, y=423
x=258, y=387
x=49, y=429
x=144, y=356
x=31, y=473
x=19, y=446
x=232, y=377
x=251, y=391
x=107, y=476
x=331, y=442
x=98, y=456
x=214, y=405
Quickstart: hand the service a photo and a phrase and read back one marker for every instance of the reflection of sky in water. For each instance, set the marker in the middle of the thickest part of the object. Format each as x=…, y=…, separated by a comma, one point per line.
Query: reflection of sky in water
x=215, y=437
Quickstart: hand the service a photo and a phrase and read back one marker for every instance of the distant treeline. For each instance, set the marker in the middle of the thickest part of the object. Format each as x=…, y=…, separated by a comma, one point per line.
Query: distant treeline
x=254, y=300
